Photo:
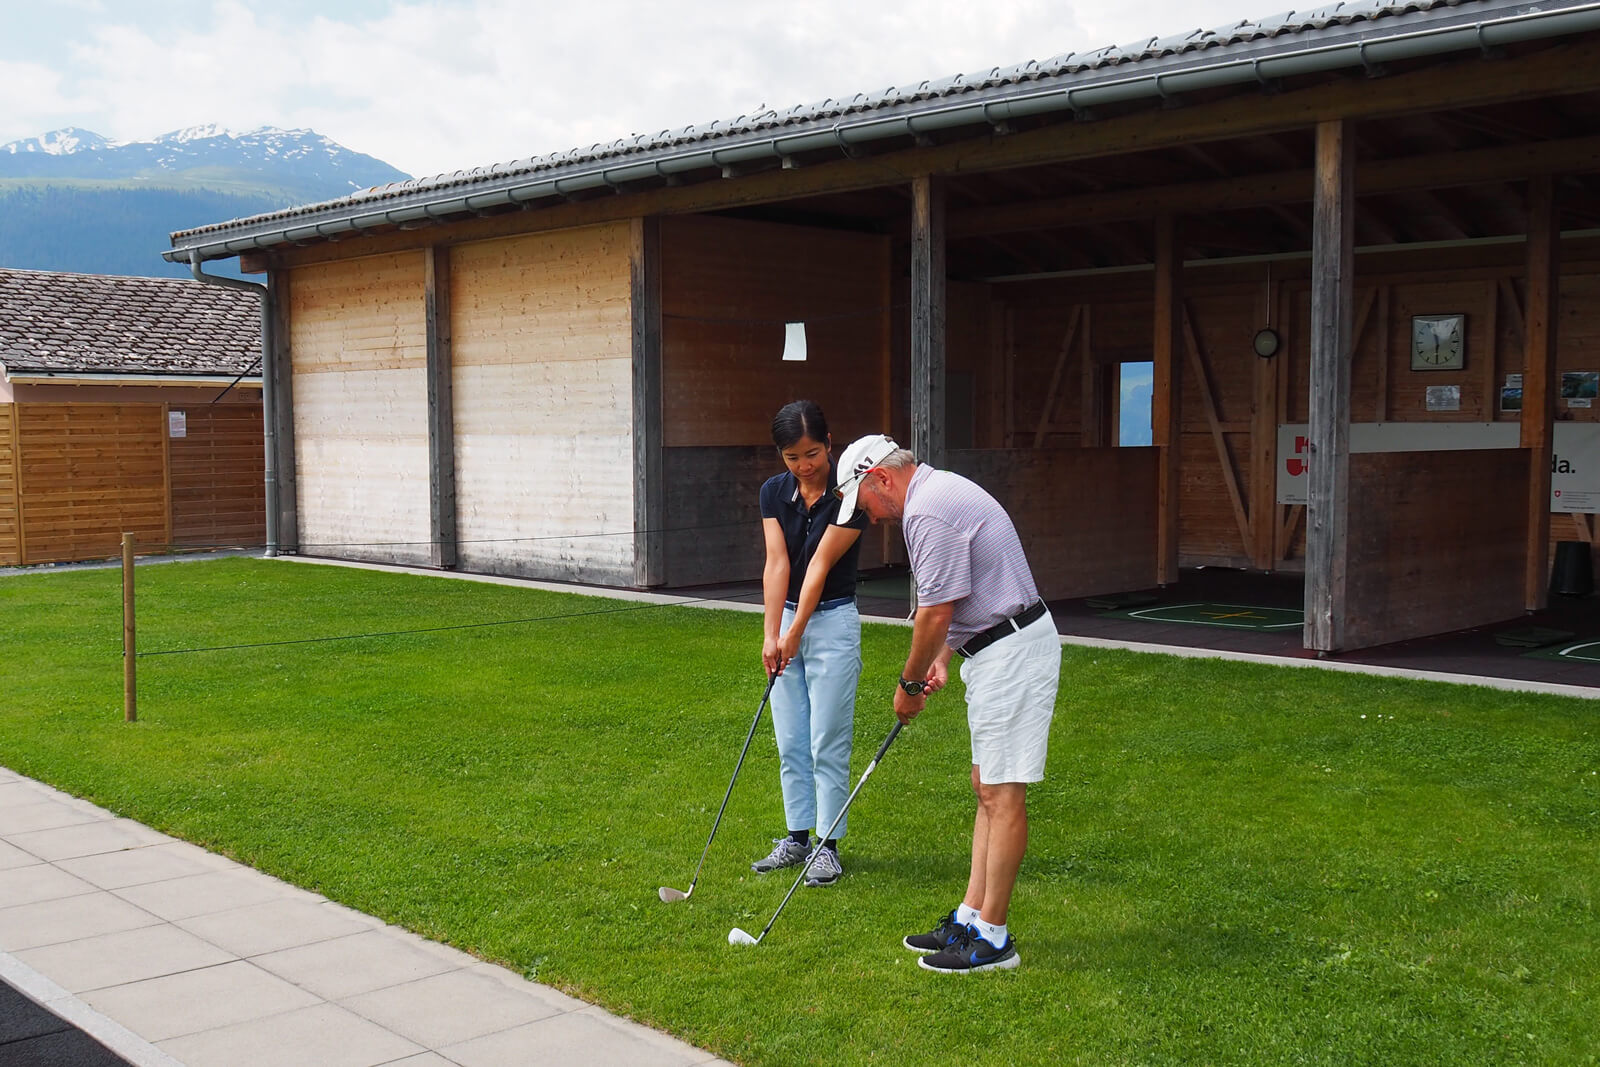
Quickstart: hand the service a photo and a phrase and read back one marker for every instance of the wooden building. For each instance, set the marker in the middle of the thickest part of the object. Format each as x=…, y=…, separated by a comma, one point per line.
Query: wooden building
x=1316, y=227
x=116, y=415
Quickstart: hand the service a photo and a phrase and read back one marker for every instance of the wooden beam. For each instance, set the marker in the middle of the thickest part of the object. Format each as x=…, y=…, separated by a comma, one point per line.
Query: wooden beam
x=649, y=488
x=1490, y=365
x=1382, y=407
x=1332, y=290
x=282, y=383
x=1062, y=355
x=1093, y=376
x=1539, y=382
x=1417, y=173
x=442, y=550
x=1230, y=476
x=1264, y=418
x=1559, y=70
x=16, y=480
x=1166, y=400
x=927, y=320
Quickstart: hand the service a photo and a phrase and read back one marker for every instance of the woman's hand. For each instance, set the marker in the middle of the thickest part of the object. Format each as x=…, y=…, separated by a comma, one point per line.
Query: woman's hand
x=788, y=646
x=771, y=657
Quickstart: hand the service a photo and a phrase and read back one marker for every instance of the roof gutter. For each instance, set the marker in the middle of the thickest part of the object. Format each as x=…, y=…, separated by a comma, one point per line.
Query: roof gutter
x=66, y=377
x=268, y=404
x=1359, y=51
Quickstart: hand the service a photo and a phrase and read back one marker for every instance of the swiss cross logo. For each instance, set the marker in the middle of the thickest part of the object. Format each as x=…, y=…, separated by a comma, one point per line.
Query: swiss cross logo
x=1295, y=464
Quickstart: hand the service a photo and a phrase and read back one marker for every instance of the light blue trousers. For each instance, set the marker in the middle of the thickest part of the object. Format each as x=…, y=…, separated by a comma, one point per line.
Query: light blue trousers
x=813, y=715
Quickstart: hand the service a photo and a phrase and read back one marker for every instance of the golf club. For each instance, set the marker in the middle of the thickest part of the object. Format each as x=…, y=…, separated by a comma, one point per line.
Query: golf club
x=737, y=936
x=669, y=895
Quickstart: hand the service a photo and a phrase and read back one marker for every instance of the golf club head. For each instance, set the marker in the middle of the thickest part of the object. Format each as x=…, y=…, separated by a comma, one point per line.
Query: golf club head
x=669, y=895
x=737, y=936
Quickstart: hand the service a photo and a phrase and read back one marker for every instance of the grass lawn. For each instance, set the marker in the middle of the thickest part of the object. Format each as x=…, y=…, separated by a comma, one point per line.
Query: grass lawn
x=1230, y=863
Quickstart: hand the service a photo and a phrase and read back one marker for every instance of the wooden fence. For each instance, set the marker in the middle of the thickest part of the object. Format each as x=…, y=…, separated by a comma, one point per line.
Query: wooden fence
x=74, y=477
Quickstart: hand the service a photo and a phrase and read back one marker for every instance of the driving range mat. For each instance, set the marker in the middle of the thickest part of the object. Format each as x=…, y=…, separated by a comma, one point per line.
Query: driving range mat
x=1208, y=613
x=1569, y=652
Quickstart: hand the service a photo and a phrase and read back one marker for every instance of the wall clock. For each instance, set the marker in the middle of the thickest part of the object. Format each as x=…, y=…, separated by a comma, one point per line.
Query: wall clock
x=1438, y=342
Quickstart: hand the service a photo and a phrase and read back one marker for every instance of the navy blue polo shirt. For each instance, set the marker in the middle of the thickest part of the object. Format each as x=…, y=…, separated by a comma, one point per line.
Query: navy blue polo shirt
x=803, y=529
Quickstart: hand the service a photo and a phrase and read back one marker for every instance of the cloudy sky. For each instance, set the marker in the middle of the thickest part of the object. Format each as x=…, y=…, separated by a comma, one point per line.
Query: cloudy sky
x=436, y=85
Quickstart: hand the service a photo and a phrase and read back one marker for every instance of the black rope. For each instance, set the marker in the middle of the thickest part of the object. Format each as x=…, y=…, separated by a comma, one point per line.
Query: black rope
x=423, y=630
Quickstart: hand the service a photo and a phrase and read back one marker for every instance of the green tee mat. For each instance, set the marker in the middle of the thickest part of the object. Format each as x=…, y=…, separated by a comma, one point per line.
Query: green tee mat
x=1532, y=637
x=1575, y=652
x=1207, y=613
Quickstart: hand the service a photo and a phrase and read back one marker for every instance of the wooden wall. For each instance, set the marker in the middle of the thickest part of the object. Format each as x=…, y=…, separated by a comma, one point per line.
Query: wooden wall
x=217, y=469
x=728, y=286
x=542, y=383
x=360, y=408
x=1086, y=517
x=1434, y=545
x=10, y=528
x=87, y=473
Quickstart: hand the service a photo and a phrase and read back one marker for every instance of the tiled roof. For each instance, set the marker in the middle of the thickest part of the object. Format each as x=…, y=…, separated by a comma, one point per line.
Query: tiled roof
x=104, y=324
x=1246, y=36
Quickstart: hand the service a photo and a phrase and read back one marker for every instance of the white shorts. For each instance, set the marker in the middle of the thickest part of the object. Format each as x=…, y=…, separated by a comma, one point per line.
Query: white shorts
x=1011, y=698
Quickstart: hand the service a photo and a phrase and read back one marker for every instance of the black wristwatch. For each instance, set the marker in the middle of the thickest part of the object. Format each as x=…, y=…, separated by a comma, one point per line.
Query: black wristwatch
x=913, y=688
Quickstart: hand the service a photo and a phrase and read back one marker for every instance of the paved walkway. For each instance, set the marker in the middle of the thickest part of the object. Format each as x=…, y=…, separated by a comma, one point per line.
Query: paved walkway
x=169, y=955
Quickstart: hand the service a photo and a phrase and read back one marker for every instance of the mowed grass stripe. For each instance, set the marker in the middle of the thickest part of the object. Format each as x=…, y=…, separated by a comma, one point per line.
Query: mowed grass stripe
x=1230, y=863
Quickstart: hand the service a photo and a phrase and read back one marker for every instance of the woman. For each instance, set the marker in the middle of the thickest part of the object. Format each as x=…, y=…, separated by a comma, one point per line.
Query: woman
x=812, y=639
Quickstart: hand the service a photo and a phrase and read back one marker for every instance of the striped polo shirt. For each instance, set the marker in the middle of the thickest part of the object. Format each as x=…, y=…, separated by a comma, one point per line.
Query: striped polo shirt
x=965, y=550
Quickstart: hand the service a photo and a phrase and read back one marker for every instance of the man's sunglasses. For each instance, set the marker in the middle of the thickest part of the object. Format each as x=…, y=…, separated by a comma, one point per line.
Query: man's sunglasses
x=844, y=487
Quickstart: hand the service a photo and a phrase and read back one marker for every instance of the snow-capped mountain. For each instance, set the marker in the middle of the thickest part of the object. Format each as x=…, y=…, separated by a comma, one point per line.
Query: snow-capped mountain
x=78, y=201
x=302, y=163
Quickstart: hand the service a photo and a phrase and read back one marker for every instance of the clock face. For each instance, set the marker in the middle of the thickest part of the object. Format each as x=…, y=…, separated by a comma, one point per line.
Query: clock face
x=1438, y=342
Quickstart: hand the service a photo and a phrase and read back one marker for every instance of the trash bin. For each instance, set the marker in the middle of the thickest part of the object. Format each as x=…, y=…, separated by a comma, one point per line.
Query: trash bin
x=1573, y=573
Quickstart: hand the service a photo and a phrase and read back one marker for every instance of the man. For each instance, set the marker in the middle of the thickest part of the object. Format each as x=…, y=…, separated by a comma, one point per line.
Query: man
x=976, y=597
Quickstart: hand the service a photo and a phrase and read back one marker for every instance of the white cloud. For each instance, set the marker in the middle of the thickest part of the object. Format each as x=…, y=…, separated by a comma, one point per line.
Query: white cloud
x=435, y=85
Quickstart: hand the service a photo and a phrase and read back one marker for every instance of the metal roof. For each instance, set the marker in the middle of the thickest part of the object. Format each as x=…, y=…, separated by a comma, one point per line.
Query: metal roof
x=1338, y=35
x=58, y=323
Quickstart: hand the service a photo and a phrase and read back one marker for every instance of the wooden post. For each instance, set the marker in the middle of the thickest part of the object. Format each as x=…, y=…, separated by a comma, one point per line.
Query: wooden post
x=1539, y=382
x=130, y=687
x=927, y=320
x=1328, y=480
x=442, y=551
x=1264, y=419
x=649, y=492
x=1166, y=402
x=280, y=379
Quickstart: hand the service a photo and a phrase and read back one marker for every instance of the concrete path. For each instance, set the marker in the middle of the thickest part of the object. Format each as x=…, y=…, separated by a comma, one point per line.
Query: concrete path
x=168, y=955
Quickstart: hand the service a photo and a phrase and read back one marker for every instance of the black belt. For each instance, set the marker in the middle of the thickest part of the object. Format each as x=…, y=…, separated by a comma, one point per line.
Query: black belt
x=979, y=642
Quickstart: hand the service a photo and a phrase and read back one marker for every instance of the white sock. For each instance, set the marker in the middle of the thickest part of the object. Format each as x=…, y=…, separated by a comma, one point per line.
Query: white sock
x=966, y=916
x=995, y=935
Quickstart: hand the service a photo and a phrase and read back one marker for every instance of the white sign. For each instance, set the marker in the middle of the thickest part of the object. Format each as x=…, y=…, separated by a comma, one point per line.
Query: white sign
x=177, y=424
x=1574, y=467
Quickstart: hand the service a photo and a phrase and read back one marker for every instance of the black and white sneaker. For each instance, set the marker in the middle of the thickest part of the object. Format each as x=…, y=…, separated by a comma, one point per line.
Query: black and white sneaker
x=825, y=869
x=938, y=939
x=786, y=852
x=971, y=953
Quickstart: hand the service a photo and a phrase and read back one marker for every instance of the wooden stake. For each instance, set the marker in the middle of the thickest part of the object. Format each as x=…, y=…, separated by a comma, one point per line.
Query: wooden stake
x=130, y=687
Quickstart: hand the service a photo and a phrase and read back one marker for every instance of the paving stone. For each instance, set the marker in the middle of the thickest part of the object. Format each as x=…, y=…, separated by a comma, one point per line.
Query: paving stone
x=325, y=1035
x=12, y=856
x=24, y=885
x=50, y=922
x=358, y=963
x=450, y=1008
x=203, y=894
x=116, y=959
x=87, y=839
x=589, y=1037
x=136, y=866
x=192, y=1001
x=276, y=925
x=41, y=814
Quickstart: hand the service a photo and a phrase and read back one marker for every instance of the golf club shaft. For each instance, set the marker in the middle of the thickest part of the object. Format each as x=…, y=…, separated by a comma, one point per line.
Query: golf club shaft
x=887, y=741
x=771, y=681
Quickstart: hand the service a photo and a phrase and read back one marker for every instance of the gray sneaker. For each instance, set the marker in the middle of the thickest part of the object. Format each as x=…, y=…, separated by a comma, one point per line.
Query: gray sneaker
x=825, y=869
x=786, y=852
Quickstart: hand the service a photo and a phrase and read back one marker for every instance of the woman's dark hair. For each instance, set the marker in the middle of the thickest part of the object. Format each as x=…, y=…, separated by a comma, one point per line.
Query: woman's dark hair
x=803, y=418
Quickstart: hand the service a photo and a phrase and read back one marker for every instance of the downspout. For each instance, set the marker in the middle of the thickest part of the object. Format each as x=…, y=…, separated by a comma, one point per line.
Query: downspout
x=268, y=389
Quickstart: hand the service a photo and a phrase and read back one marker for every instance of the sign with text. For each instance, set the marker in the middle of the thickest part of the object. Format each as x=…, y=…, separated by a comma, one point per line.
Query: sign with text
x=1574, y=468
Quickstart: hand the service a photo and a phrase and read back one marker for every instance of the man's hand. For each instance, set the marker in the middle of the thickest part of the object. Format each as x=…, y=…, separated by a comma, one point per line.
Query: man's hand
x=906, y=706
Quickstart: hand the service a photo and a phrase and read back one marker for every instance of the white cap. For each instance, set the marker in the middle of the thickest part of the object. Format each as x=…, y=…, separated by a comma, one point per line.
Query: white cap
x=855, y=461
